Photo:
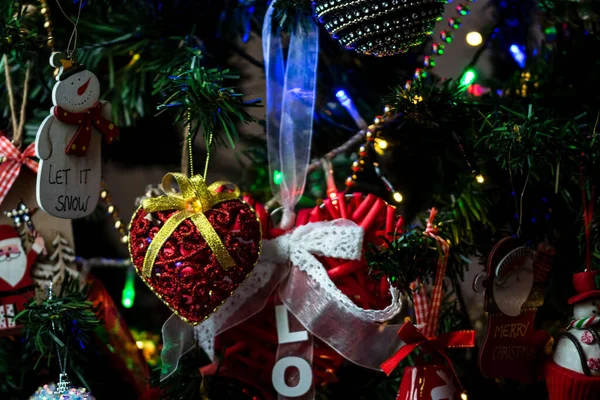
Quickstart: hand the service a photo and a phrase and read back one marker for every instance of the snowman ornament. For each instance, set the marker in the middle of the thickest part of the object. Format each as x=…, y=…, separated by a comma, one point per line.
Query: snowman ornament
x=575, y=365
x=578, y=347
x=68, y=142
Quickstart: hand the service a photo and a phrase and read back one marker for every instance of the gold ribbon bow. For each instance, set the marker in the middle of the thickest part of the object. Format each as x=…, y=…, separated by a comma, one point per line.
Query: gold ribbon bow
x=193, y=200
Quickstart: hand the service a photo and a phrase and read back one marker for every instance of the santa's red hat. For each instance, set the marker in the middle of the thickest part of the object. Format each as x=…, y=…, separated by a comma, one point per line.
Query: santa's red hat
x=587, y=285
x=8, y=232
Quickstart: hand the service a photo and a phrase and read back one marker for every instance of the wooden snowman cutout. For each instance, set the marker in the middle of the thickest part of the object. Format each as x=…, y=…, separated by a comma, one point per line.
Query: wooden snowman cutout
x=68, y=142
x=574, y=371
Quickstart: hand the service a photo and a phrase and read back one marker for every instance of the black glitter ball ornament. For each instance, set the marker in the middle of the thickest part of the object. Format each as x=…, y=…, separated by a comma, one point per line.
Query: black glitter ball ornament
x=379, y=27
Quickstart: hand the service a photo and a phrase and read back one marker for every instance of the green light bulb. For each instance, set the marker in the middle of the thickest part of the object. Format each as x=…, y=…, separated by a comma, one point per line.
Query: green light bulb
x=128, y=294
x=468, y=78
x=277, y=177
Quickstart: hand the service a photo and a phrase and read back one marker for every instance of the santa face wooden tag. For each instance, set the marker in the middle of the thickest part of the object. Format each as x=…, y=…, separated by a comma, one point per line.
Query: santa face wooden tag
x=16, y=285
x=68, y=143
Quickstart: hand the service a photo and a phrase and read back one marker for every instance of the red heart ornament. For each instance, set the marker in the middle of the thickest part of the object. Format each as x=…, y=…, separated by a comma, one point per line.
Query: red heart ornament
x=186, y=275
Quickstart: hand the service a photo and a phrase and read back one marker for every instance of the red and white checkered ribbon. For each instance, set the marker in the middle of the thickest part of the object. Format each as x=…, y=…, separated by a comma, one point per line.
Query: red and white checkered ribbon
x=428, y=312
x=11, y=166
x=421, y=303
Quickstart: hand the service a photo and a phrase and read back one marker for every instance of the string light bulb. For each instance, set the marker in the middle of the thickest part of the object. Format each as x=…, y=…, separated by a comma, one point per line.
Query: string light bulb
x=380, y=146
x=277, y=177
x=398, y=197
x=382, y=143
x=474, y=39
x=111, y=209
x=479, y=178
x=463, y=396
x=128, y=294
x=468, y=78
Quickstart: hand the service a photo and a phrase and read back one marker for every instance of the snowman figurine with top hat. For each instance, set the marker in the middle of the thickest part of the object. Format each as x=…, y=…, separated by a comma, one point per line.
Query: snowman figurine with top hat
x=68, y=142
x=574, y=372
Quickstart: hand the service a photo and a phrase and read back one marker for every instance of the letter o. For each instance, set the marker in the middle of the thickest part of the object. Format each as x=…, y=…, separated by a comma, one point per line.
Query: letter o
x=304, y=373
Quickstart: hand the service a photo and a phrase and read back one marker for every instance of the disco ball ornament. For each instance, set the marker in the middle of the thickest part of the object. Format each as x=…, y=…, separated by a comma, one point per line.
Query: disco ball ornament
x=379, y=27
x=47, y=392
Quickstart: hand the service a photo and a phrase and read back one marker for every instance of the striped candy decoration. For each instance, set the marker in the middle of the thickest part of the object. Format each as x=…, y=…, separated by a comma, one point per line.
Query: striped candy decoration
x=584, y=323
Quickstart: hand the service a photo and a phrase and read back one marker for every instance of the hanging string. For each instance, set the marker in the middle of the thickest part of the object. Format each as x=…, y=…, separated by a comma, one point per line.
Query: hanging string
x=208, y=146
x=17, y=121
x=187, y=158
x=18, y=136
x=73, y=38
x=521, y=204
x=11, y=95
x=588, y=214
x=62, y=362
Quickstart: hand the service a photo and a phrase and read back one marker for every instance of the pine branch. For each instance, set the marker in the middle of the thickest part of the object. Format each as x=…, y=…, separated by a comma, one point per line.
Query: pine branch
x=198, y=96
x=291, y=14
x=408, y=256
x=18, y=34
x=430, y=102
x=463, y=221
x=67, y=320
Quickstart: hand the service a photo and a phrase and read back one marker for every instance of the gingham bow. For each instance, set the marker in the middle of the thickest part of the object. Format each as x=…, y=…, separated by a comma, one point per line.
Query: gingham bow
x=427, y=311
x=12, y=159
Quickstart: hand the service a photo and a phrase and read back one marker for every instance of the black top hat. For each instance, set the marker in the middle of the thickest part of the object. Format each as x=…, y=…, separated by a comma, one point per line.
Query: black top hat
x=67, y=66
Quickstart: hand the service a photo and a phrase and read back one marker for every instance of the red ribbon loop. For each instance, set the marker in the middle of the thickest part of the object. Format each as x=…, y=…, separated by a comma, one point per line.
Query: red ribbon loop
x=432, y=229
x=10, y=166
x=91, y=117
x=413, y=338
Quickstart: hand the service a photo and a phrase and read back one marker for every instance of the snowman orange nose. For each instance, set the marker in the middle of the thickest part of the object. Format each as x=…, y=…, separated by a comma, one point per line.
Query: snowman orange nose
x=81, y=90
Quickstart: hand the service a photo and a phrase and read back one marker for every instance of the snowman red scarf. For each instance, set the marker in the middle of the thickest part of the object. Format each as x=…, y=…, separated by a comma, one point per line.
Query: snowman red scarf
x=92, y=116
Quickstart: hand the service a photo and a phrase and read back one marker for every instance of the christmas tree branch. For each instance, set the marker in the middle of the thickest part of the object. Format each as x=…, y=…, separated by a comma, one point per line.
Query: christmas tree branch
x=66, y=320
x=199, y=97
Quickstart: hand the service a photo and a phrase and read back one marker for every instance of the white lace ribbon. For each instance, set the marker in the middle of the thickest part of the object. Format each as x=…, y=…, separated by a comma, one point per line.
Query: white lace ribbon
x=307, y=292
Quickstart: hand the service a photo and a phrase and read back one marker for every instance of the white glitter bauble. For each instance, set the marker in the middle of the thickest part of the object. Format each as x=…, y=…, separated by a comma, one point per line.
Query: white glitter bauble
x=46, y=392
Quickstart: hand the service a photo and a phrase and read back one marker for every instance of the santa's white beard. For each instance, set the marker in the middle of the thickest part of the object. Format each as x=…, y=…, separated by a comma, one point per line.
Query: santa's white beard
x=13, y=269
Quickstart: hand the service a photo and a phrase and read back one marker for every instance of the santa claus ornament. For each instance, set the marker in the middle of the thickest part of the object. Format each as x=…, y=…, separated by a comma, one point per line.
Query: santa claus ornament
x=195, y=246
x=16, y=284
x=574, y=372
x=68, y=142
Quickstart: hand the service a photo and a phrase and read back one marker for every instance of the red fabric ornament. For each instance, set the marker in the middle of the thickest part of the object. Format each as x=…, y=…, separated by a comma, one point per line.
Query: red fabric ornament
x=126, y=359
x=151, y=394
x=564, y=384
x=437, y=381
x=431, y=382
x=250, y=348
x=513, y=348
x=186, y=275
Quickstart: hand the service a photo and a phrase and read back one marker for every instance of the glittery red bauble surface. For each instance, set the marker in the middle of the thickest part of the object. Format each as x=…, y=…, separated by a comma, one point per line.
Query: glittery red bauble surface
x=186, y=275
